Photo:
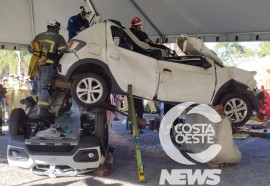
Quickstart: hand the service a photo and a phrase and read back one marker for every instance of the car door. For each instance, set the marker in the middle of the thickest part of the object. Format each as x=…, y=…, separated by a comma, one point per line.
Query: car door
x=129, y=67
x=186, y=82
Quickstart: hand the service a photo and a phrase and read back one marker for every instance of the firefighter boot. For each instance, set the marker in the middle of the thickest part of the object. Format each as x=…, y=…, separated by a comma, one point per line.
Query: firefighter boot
x=44, y=113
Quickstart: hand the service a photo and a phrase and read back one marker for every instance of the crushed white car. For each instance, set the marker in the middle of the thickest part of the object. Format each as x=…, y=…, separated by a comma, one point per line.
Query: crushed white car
x=108, y=57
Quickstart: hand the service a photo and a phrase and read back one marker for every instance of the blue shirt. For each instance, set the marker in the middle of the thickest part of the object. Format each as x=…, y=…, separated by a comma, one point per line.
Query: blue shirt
x=74, y=24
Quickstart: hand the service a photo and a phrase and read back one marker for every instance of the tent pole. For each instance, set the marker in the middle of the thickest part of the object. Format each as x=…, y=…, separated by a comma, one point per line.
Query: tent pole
x=92, y=7
x=32, y=18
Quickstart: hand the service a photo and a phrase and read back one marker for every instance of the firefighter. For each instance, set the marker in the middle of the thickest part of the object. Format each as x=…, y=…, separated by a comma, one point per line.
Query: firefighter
x=136, y=29
x=9, y=85
x=52, y=46
x=77, y=23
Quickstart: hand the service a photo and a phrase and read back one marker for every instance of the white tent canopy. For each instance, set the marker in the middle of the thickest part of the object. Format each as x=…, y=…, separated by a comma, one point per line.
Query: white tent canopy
x=212, y=20
x=209, y=18
x=21, y=20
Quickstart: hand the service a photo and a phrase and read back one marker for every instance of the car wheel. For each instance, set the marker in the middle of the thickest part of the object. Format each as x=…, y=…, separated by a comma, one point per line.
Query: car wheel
x=101, y=129
x=89, y=90
x=17, y=121
x=237, y=108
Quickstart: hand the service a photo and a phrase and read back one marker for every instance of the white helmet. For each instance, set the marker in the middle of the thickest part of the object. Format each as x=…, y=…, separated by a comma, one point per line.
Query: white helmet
x=54, y=23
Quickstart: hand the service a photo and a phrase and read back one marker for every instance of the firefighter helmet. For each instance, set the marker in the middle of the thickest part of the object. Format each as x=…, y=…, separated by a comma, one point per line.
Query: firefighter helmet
x=136, y=21
x=54, y=23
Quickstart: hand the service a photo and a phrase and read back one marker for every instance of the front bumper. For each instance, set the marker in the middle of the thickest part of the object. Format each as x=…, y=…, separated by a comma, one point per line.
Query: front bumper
x=83, y=154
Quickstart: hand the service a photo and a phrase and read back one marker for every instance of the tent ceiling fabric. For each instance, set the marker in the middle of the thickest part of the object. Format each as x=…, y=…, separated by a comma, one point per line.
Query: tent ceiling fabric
x=15, y=21
x=20, y=20
x=192, y=16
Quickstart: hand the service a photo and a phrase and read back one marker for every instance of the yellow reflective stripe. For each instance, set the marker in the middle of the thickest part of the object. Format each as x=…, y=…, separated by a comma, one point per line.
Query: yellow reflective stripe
x=43, y=103
x=34, y=97
x=49, y=61
x=52, y=43
x=61, y=47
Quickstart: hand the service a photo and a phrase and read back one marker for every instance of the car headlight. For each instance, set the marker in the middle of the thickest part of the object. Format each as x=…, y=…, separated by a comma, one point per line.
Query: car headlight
x=74, y=45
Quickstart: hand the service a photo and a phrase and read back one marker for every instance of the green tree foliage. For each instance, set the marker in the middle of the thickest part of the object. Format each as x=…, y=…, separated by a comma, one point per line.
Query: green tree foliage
x=147, y=108
x=231, y=52
x=26, y=56
x=250, y=53
x=9, y=62
x=264, y=49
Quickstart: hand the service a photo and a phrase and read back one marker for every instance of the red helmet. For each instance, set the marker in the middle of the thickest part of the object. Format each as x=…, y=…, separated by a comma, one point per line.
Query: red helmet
x=136, y=21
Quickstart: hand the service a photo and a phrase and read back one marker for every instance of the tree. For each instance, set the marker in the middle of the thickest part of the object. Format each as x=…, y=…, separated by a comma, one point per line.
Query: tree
x=264, y=49
x=9, y=62
x=229, y=52
x=26, y=56
x=250, y=52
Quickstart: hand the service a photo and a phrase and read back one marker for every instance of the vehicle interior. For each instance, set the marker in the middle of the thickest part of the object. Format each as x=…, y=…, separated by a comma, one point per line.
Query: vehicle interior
x=126, y=39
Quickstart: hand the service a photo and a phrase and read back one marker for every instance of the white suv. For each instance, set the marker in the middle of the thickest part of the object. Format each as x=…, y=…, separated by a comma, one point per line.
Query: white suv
x=107, y=57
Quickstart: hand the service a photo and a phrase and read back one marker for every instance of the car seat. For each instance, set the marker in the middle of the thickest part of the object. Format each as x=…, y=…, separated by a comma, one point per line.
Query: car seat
x=159, y=51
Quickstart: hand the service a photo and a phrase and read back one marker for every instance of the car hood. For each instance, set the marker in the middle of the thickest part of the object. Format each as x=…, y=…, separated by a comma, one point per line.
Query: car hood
x=243, y=76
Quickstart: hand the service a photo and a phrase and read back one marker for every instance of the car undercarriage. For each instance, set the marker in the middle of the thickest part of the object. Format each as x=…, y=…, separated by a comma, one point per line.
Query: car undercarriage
x=74, y=142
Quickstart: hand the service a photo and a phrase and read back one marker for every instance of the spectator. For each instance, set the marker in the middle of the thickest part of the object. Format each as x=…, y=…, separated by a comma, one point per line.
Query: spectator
x=10, y=93
x=77, y=23
x=116, y=100
x=2, y=97
x=5, y=81
x=11, y=79
x=5, y=84
x=18, y=94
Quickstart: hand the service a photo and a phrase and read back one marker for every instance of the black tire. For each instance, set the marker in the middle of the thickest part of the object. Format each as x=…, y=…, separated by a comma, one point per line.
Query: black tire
x=237, y=108
x=81, y=90
x=17, y=121
x=101, y=128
